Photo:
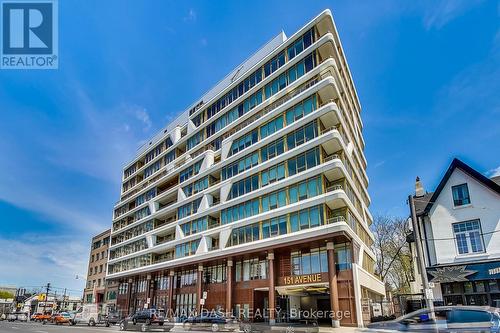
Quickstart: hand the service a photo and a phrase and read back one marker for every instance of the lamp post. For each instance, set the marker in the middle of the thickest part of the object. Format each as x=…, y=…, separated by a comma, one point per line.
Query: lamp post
x=78, y=277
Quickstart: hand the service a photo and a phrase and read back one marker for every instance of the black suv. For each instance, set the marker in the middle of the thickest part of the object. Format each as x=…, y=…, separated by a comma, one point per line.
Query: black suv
x=145, y=317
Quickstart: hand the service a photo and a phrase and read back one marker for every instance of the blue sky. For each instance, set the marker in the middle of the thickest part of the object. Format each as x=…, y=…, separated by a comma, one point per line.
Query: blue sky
x=427, y=74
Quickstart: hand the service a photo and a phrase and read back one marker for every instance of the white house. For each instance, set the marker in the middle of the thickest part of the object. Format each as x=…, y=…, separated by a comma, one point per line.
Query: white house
x=459, y=224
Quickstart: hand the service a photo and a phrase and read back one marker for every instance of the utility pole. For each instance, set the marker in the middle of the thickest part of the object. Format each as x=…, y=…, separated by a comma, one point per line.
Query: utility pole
x=64, y=301
x=46, y=297
x=420, y=257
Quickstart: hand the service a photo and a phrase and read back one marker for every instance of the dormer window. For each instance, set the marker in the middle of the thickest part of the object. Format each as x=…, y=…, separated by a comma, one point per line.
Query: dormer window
x=460, y=195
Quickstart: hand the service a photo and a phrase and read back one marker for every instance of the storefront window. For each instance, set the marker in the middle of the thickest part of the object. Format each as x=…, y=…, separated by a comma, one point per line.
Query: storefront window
x=468, y=287
x=493, y=285
x=480, y=286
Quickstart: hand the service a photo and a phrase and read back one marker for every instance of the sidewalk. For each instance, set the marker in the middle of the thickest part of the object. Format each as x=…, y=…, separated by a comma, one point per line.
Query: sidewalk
x=339, y=330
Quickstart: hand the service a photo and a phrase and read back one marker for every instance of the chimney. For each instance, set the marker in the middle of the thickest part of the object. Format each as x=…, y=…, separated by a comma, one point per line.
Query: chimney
x=419, y=189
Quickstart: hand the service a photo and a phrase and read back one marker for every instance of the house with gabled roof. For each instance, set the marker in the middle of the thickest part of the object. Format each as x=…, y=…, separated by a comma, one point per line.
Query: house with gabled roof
x=459, y=224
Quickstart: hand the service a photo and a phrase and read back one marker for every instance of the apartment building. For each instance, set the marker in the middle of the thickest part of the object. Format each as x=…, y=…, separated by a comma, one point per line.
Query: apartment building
x=97, y=289
x=254, y=200
x=459, y=224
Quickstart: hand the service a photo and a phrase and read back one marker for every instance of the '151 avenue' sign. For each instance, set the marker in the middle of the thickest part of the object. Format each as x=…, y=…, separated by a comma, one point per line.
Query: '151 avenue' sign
x=301, y=279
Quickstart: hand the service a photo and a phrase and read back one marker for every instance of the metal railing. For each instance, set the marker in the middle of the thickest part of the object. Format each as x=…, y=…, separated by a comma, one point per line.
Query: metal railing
x=334, y=187
x=335, y=219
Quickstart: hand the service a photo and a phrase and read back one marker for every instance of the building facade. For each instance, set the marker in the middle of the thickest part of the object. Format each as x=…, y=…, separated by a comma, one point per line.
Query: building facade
x=97, y=289
x=254, y=200
x=459, y=224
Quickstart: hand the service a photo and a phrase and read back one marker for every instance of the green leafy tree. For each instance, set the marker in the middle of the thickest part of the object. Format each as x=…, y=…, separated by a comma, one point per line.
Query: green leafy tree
x=6, y=294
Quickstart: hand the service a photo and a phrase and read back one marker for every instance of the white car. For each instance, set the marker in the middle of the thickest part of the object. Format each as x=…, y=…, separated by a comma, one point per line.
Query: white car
x=17, y=316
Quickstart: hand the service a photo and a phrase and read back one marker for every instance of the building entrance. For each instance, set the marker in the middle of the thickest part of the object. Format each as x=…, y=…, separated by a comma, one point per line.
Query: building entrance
x=309, y=304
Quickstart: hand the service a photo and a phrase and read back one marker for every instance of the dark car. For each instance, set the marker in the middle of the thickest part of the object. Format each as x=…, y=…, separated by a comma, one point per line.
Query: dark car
x=445, y=319
x=211, y=321
x=113, y=318
x=146, y=317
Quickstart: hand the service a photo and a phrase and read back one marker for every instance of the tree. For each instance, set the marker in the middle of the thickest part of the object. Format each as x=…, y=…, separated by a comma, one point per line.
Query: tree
x=394, y=263
x=5, y=294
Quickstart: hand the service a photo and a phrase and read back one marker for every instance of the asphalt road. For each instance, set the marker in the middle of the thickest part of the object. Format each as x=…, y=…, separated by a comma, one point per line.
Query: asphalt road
x=32, y=327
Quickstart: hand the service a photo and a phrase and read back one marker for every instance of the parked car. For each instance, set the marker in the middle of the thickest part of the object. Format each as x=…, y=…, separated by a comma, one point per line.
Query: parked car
x=35, y=315
x=146, y=317
x=113, y=318
x=211, y=321
x=42, y=317
x=445, y=319
x=61, y=318
x=20, y=316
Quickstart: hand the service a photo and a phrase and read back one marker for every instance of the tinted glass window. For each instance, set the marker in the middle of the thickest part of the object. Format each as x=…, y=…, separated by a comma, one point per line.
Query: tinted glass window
x=467, y=316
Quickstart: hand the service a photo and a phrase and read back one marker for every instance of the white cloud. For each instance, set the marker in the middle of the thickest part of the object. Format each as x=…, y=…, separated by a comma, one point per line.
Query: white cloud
x=494, y=172
x=33, y=260
x=191, y=16
x=142, y=115
x=442, y=12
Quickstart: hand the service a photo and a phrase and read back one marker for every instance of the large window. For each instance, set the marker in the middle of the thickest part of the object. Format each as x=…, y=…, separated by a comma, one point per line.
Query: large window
x=303, y=219
x=273, y=174
x=188, y=209
x=274, y=200
x=148, y=195
x=186, y=249
x=244, y=186
x=244, y=142
x=274, y=227
x=300, y=44
x=295, y=72
x=306, y=218
x=240, y=211
x=195, y=226
x=468, y=237
x=309, y=262
x=214, y=274
x=251, y=269
x=190, y=171
x=239, y=166
x=195, y=140
x=300, y=110
x=303, y=161
x=271, y=127
x=460, y=195
x=273, y=149
x=302, y=135
x=196, y=187
x=152, y=169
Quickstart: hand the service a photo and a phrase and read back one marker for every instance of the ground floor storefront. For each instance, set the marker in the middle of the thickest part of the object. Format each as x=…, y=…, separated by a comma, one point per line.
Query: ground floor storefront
x=316, y=281
x=473, y=284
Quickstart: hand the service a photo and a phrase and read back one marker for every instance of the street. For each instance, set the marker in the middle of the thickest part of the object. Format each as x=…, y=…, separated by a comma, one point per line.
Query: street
x=32, y=327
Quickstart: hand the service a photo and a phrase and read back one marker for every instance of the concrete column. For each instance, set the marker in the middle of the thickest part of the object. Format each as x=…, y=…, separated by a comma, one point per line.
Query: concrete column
x=199, y=288
x=229, y=290
x=271, y=295
x=148, y=289
x=129, y=296
x=171, y=305
x=332, y=279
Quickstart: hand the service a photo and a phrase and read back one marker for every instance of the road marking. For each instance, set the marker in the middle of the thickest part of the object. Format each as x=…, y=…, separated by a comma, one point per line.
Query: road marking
x=42, y=331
